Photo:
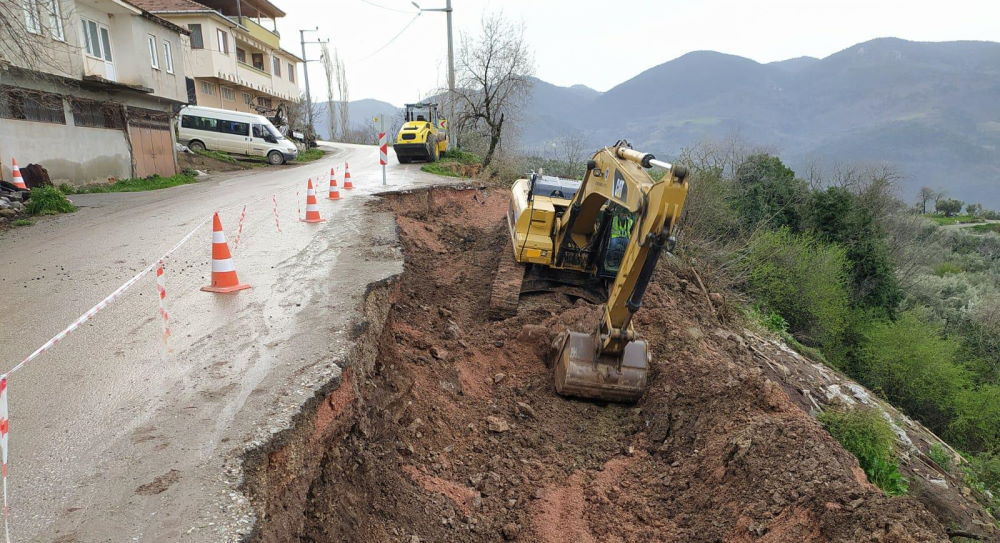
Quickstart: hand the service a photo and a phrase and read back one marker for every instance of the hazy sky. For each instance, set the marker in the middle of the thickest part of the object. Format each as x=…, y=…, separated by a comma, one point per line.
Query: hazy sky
x=603, y=43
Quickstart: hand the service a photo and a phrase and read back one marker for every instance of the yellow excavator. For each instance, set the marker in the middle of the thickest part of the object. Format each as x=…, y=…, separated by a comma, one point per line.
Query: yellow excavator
x=423, y=135
x=597, y=239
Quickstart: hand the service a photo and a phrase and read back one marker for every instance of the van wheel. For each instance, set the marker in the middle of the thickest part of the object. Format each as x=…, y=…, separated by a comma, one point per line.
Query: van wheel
x=196, y=146
x=275, y=158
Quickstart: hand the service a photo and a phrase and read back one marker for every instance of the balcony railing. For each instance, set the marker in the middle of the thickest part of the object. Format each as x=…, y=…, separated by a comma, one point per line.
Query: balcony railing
x=270, y=37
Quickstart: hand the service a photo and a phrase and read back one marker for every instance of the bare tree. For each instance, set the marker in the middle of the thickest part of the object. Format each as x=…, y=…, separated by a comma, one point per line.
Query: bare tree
x=494, y=77
x=343, y=97
x=331, y=105
x=925, y=195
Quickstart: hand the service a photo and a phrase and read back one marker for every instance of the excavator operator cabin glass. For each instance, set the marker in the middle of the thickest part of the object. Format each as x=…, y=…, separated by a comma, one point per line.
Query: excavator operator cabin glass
x=621, y=229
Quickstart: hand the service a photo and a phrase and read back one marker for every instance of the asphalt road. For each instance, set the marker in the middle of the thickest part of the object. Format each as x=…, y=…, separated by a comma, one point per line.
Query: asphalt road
x=114, y=439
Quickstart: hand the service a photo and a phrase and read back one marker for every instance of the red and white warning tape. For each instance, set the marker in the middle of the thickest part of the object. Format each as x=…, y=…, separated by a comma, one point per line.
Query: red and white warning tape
x=239, y=231
x=277, y=224
x=162, y=291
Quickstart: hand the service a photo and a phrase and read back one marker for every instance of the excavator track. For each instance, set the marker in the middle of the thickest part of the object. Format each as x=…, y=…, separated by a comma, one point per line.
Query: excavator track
x=506, y=285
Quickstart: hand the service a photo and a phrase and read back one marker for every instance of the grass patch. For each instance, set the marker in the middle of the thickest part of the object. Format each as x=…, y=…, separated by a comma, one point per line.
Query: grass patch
x=983, y=228
x=870, y=438
x=310, y=155
x=23, y=222
x=940, y=456
x=460, y=156
x=946, y=268
x=48, y=201
x=218, y=155
x=139, y=184
x=941, y=220
x=437, y=168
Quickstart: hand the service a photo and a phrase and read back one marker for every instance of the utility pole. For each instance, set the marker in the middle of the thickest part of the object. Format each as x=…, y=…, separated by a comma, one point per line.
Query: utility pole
x=451, y=65
x=305, y=71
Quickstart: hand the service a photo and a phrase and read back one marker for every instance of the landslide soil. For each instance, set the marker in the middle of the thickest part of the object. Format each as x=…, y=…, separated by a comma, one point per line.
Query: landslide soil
x=458, y=434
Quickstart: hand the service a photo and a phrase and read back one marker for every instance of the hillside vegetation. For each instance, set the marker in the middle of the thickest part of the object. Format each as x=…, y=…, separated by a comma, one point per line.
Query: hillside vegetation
x=857, y=278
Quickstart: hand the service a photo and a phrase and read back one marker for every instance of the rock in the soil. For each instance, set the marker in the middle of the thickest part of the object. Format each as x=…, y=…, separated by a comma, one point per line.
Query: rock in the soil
x=439, y=353
x=694, y=333
x=7, y=212
x=526, y=410
x=499, y=377
x=510, y=531
x=496, y=424
x=717, y=299
x=444, y=312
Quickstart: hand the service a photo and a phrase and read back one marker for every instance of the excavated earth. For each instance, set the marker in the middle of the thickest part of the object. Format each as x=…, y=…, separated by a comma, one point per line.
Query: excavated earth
x=445, y=425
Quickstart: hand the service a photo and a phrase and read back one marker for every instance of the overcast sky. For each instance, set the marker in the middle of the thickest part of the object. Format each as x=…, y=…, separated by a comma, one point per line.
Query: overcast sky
x=600, y=43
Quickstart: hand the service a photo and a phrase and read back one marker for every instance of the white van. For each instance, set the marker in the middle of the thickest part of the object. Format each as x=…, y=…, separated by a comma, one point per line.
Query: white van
x=233, y=132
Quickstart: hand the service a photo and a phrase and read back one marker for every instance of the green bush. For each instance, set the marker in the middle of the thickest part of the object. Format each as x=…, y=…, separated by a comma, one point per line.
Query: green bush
x=22, y=222
x=48, y=201
x=801, y=279
x=976, y=425
x=914, y=365
x=869, y=437
x=982, y=472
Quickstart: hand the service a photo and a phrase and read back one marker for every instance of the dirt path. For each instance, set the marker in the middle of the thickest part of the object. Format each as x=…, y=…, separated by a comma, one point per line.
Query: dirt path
x=453, y=432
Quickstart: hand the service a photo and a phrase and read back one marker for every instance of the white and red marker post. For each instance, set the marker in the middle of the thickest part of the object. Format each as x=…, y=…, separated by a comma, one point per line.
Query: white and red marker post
x=383, y=146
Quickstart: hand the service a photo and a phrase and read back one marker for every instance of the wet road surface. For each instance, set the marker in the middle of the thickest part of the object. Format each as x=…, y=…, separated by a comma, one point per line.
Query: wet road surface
x=112, y=438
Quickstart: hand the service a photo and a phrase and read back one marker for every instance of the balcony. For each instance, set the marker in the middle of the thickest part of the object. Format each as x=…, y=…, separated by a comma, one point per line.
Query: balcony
x=271, y=38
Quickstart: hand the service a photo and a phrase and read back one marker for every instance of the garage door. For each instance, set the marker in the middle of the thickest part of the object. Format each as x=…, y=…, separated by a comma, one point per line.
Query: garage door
x=152, y=142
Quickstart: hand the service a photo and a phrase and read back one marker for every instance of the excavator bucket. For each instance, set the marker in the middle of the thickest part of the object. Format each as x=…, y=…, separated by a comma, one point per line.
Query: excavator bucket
x=580, y=371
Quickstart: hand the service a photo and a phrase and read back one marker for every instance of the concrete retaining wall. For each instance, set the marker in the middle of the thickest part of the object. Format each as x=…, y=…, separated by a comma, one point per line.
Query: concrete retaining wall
x=73, y=154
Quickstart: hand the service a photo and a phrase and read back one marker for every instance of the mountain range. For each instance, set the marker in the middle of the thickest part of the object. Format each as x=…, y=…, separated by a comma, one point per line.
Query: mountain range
x=930, y=109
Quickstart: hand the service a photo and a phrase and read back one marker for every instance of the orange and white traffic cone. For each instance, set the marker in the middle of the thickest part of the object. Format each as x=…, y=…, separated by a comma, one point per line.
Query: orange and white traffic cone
x=223, y=271
x=334, y=194
x=347, y=177
x=312, y=211
x=15, y=172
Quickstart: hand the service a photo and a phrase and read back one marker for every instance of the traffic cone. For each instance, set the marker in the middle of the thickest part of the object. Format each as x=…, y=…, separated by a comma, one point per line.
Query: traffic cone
x=16, y=173
x=312, y=212
x=334, y=194
x=347, y=177
x=223, y=271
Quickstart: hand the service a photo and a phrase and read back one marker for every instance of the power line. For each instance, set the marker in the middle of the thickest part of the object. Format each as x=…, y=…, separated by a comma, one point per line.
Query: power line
x=398, y=34
x=385, y=7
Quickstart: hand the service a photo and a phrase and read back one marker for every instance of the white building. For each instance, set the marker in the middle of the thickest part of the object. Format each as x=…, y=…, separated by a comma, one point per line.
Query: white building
x=89, y=89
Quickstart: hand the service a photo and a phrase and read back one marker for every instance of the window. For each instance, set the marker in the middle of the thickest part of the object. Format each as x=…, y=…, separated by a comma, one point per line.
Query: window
x=228, y=94
x=258, y=60
x=241, y=55
x=223, y=39
x=291, y=72
x=31, y=22
x=264, y=102
x=247, y=98
x=215, y=125
x=207, y=88
x=55, y=20
x=259, y=131
x=154, y=59
x=276, y=62
x=95, y=114
x=96, y=40
x=197, y=41
x=25, y=105
x=168, y=57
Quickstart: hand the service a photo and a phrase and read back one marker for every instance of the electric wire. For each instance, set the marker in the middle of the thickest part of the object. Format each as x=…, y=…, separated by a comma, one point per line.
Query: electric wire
x=398, y=34
x=385, y=7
